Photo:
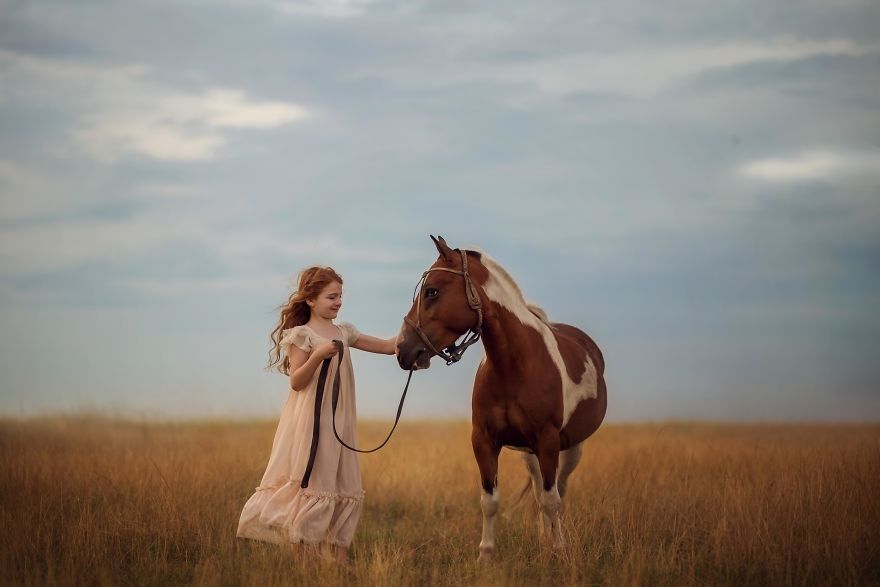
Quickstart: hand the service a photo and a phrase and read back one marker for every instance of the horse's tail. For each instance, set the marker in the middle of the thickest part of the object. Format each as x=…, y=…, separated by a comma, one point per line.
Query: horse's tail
x=518, y=501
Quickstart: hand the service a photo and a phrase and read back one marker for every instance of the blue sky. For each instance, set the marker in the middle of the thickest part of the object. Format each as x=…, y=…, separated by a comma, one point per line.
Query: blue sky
x=697, y=185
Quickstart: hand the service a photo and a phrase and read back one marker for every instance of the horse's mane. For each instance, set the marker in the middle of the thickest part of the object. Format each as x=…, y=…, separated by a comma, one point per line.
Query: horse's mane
x=496, y=270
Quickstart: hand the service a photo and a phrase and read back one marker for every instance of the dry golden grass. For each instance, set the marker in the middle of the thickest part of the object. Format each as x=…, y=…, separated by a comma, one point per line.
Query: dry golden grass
x=95, y=501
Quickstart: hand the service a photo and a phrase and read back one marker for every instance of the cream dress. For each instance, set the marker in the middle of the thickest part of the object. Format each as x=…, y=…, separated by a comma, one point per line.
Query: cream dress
x=328, y=509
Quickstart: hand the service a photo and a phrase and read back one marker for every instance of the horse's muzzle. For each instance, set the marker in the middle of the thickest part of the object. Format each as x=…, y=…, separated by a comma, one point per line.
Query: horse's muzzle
x=413, y=355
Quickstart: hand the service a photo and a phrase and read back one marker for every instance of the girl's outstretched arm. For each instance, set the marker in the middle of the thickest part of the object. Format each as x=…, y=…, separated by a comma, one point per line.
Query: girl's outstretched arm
x=371, y=344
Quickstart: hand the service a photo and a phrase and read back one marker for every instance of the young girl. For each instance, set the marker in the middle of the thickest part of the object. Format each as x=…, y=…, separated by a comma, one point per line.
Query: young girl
x=326, y=512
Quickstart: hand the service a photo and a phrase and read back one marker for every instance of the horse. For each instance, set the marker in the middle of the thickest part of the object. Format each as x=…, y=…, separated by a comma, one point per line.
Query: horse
x=539, y=389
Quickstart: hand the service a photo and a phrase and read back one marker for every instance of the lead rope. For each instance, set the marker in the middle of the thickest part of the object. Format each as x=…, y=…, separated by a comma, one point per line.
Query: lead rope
x=316, y=426
x=336, y=401
x=319, y=397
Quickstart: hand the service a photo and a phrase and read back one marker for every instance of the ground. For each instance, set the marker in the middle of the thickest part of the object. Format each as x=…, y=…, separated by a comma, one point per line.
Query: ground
x=91, y=500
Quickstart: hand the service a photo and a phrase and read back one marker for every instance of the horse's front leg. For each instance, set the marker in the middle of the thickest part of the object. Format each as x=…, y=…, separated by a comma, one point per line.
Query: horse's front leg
x=486, y=453
x=547, y=451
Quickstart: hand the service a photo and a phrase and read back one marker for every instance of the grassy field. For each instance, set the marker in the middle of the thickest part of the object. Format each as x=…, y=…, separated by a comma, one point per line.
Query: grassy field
x=105, y=502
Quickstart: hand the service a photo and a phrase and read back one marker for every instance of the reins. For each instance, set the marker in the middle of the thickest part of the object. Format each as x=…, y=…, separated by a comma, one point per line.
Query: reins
x=319, y=398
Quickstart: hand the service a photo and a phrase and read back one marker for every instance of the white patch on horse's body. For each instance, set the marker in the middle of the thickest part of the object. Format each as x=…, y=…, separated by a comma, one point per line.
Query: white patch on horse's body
x=503, y=290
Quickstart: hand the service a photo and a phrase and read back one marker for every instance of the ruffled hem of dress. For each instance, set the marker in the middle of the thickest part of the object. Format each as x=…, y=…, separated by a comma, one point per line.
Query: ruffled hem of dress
x=286, y=513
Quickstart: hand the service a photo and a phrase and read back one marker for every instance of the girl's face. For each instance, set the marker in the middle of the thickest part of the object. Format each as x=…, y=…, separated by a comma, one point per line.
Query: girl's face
x=328, y=302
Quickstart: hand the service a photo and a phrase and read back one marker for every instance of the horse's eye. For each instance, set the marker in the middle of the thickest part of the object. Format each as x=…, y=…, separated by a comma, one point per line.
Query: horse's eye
x=431, y=292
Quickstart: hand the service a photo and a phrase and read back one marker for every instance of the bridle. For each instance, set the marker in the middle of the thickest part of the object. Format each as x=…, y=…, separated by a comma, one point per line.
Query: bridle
x=453, y=352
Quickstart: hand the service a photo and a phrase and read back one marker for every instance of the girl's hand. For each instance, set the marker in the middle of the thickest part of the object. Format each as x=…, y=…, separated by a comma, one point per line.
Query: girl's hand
x=325, y=351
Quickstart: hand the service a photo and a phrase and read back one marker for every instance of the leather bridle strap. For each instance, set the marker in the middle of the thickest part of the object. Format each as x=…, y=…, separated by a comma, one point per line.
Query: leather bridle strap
x=319, y=397
x=455, y=352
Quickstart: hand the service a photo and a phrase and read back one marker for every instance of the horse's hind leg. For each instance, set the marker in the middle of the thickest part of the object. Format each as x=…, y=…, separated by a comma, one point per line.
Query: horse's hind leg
x=534, y=469
x=568, y=461
x=547, y=451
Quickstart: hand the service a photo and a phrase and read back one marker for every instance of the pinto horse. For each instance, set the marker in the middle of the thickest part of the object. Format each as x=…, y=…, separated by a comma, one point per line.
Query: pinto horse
x=540, y=389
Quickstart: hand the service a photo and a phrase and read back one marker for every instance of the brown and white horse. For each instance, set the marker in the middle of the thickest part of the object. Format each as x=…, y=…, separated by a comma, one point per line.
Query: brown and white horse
x=540, y=388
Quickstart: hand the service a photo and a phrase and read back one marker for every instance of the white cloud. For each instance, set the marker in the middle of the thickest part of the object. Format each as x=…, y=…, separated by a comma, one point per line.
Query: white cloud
x=108, y=135
x=58, y=245
x=646, y=71
x=167, y=124
x=25, y=191
x=68, y=243
x=813, y=165
x=28, y=190
x=230, y=108
x=123, y=110
x=163, y=191
x=183, y=286
x=641, y=71
x=325, y=8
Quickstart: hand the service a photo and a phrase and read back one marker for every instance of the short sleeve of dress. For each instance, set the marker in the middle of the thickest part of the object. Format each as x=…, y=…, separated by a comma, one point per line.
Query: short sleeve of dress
x=351, y=333
x=299, y=336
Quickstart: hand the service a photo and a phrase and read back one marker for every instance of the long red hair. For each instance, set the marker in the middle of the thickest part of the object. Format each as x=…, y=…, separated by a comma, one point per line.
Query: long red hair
x=296, y=311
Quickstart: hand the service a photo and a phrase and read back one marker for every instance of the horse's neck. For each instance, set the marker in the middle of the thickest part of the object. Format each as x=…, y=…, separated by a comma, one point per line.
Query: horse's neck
x=509, y=335
x=511, y=328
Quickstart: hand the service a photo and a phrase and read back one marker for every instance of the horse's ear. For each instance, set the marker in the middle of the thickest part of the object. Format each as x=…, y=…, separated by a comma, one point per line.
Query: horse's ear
x=442, y=247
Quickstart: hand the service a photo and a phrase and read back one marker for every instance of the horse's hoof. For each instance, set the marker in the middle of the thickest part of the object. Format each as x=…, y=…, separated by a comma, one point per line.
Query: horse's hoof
x=486, y=556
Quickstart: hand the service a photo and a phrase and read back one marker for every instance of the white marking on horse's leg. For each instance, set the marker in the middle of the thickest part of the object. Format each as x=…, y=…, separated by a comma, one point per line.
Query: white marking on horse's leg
x=551, y=504
x=568, y=461
x=489, y=505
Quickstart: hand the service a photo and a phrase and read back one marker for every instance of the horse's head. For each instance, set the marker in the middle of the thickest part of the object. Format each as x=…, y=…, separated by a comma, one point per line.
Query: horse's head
x=446, y=304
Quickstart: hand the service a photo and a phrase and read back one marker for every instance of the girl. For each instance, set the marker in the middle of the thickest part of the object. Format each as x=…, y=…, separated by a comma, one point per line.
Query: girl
x=327, y=511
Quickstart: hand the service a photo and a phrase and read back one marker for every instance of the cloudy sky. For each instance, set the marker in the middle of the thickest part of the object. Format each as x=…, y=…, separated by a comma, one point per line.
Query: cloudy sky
x=695, y=184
